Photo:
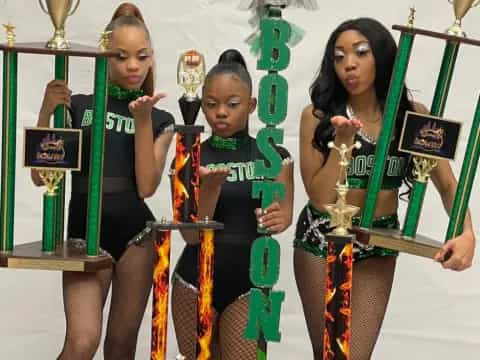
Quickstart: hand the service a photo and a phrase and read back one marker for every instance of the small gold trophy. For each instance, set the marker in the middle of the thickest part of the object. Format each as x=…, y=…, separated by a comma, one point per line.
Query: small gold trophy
x=10, y=33
x=461, y=8
x=191, y=72
x=58, y=10
x=341, y=213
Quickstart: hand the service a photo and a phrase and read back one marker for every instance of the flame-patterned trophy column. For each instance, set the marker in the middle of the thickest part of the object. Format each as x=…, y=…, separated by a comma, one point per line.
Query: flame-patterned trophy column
x=186, y=180
x=191, y=74
x=338, y=315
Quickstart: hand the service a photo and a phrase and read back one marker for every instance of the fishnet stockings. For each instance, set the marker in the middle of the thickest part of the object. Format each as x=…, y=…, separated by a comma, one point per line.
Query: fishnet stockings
x=228, y=342
x=372, y=283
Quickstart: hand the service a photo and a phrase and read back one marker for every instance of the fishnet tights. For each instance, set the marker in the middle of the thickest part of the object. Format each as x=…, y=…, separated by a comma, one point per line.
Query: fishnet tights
x=228, y=342
x=372, y=282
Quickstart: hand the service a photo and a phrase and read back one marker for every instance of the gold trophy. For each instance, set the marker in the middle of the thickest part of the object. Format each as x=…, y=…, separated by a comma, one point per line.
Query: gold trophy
x=461, y=8
x=58, y=10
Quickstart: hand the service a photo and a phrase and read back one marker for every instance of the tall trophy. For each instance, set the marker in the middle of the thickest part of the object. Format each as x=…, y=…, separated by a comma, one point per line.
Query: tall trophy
x=427, y=138
x=185, y=188
x=58, y=10
x=338, y=314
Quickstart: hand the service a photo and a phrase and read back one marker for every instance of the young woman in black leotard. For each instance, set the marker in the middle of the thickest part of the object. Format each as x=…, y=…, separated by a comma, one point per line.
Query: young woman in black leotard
x=136, y=143
x=227, y=172
x=348, y=99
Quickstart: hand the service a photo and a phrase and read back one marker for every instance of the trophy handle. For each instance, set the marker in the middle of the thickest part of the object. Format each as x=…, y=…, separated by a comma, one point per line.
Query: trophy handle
x=43, y=7
x=74, y=8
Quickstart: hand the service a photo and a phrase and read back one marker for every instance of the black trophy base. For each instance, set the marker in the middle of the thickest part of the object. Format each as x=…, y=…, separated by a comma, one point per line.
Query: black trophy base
x=394, y=240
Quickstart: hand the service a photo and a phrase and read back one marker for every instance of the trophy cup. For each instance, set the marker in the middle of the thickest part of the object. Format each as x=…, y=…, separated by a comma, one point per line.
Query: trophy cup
x=461, y=7
x=58, y=10
x=428, y=138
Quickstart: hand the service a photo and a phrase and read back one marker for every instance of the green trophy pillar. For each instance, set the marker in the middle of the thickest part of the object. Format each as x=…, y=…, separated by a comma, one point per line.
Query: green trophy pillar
x=49, y=222
x=60, y=121
x=9, y=130
x=465, y=182
x=444, y=78
x=389, y=117
x=96, y=157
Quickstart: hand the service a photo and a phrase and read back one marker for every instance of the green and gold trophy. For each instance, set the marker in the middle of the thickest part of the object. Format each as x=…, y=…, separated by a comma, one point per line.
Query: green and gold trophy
x=428, y=138
x=50, y=253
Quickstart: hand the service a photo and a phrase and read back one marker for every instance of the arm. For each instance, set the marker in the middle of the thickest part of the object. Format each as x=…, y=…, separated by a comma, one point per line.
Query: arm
x=150, y=154
x=457, y=253
x=56, y=93
x=319, y=175
x=278, y=216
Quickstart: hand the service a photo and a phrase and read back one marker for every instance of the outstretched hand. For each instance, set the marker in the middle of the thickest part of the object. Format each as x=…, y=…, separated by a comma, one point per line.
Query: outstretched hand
x=345, y=128
x=213, y=178
x=142, y=107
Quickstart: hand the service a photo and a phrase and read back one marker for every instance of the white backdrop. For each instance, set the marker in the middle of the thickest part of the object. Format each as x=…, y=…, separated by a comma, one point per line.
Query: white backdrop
x=433, y=313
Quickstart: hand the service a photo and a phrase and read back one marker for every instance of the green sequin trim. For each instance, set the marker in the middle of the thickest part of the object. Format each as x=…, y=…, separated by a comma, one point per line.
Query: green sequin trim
x=120, y=93
x=362, y=183
x=231, y=143
x=385, y=222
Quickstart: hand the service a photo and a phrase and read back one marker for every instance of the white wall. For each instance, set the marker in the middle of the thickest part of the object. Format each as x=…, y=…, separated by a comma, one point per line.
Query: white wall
x=432, y=314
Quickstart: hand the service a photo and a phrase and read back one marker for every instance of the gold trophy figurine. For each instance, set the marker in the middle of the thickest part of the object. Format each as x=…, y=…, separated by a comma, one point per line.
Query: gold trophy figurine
x=341, y=213
x=191, y=72
x=461, y=7
x=58, y=10
x=10, y=33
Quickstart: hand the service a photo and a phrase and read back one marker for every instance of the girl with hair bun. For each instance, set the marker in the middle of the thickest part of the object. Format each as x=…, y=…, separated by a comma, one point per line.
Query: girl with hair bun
x=137, y=138
x=227, y=171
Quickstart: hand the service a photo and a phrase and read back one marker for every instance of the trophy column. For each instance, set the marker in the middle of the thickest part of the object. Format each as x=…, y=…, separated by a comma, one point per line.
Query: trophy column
x=60, y=121
x=338, y=315
x=9, y=134
x=185, y=188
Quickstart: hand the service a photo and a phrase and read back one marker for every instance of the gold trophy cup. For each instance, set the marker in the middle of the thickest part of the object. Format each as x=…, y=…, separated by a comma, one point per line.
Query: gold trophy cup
x=58, y=10
x=460, y=8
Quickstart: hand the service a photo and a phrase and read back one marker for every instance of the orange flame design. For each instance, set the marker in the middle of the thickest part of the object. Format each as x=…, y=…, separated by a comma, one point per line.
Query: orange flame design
x=160, y=296
x=180, y=193
x=205, y=295
x=195, y=154
x=341, y=292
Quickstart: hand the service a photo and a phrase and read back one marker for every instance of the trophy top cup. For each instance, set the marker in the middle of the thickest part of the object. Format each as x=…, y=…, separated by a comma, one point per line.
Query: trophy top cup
x=58, y=10
x=460, y=7
x=191, y=72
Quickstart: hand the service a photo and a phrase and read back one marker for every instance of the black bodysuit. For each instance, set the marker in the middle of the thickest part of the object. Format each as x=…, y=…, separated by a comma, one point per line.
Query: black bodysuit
x=124, y=214
x=236, y=210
